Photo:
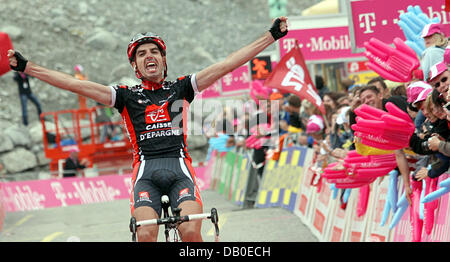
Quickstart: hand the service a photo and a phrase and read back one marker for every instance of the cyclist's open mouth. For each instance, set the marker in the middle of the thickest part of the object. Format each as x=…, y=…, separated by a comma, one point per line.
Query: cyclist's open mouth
x=151, y=67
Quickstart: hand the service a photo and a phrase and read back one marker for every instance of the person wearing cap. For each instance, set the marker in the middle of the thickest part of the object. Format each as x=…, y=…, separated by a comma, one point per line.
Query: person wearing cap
x=316, y=129
x=439, y=78
x=73, y=165
x=420, y=97
x=412, y=91
x=436, y=163
x=435, y=44
x=153, y=113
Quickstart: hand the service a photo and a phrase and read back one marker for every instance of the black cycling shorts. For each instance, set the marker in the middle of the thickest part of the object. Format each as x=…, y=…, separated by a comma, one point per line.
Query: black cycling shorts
x=153, y=178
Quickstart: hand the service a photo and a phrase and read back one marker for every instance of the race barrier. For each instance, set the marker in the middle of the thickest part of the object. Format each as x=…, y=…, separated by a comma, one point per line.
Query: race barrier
x=281, y=179
x=333, y=215
x=40, y=194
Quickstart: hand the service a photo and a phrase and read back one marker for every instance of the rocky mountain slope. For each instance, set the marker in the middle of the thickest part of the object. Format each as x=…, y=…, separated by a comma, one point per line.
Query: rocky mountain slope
x=94, y=33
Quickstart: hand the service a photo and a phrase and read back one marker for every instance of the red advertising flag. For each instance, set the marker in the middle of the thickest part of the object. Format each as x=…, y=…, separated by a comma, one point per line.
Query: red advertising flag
x=5, y=45
x=291, y=75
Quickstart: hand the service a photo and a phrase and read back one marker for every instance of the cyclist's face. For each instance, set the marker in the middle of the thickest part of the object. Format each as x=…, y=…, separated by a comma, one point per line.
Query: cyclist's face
x=150, y=62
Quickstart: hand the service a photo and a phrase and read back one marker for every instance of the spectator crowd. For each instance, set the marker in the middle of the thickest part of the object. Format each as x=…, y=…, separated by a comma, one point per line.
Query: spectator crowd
x=273, y=119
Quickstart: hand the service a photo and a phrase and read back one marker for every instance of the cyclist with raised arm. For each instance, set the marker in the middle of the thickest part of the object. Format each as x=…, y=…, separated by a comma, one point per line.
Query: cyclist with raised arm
x=151, y=112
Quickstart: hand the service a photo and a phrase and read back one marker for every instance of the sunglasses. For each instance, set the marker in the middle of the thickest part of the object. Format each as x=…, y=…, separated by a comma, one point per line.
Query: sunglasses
x=443, y=80
x=447, y=107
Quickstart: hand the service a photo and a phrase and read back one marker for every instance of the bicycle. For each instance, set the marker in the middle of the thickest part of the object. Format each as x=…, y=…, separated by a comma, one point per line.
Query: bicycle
x=171, y=223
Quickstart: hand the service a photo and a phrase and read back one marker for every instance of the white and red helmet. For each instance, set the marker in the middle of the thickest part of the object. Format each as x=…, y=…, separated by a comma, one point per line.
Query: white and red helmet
x=142, y=38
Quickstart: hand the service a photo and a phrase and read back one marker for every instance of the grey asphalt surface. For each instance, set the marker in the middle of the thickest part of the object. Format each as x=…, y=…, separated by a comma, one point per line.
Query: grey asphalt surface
x=108, y=222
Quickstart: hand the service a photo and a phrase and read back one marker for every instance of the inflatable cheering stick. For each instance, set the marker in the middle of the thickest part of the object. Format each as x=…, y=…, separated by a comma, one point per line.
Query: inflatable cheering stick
x=444, y=189
x=395, y=64
x=392, y=197
x=429, y=208
x=414, y=215
x=363, y=200
x=412, y=23
x=402, y=206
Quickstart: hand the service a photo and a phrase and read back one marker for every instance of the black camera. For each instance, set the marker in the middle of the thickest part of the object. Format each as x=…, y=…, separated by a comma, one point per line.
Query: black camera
x=425, y=146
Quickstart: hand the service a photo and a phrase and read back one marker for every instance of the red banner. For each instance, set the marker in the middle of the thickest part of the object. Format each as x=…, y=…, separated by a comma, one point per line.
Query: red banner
x=291, y=75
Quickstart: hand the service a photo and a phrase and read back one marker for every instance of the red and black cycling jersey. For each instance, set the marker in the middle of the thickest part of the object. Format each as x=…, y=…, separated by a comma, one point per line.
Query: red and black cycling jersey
x=155, y=119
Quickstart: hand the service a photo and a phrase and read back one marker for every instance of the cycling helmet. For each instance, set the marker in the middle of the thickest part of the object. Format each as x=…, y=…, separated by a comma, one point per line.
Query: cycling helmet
x=142, y=38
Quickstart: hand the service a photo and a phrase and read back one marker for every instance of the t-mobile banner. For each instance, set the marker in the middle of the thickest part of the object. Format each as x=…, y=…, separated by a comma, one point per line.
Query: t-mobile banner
x=236, y=81
x=316, y=44
x=40, y=194
x=378, y=19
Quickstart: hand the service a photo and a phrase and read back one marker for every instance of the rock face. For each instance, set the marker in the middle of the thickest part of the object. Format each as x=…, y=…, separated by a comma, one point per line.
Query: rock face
x=95, y=34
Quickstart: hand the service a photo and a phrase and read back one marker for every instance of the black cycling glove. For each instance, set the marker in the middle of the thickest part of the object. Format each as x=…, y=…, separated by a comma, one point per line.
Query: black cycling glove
x=21, y=62
x=275, y=30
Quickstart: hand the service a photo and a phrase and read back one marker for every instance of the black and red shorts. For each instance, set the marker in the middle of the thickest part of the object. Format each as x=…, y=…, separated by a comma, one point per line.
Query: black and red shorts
x=154, y=178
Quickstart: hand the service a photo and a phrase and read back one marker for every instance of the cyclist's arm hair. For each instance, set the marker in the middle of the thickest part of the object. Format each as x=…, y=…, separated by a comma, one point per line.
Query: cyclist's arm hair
x=95, y=91
x=206, y=77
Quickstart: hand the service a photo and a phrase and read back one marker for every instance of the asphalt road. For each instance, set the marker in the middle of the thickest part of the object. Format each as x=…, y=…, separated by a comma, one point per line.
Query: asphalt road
x=108, y=222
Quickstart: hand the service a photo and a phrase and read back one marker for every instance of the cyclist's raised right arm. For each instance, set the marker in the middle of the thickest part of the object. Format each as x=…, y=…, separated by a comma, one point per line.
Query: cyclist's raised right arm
x=95, y=91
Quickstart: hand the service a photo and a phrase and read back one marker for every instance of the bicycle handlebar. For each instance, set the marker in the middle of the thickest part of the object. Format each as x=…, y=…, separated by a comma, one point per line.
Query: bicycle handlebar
x=176, y=220
x=169, y=220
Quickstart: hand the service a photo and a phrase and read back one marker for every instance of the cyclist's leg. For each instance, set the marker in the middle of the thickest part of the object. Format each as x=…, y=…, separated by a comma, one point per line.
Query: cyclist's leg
x=191, y=231
x=145, y=201
x=147, y=233
x=186, y=195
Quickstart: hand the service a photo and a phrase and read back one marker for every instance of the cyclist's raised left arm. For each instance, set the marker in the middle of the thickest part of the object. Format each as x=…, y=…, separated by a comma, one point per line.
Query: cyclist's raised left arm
x=211, y=74
x=95, y=91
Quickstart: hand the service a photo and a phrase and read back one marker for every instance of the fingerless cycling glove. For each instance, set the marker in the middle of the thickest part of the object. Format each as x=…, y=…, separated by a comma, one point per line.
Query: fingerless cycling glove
x=276, y=31
x=21, y=62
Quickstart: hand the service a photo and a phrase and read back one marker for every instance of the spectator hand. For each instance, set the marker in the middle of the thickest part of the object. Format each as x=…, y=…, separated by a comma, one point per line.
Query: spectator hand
x=433, y=143
x=422, y=174
x=339, y=153
x=84, y=162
